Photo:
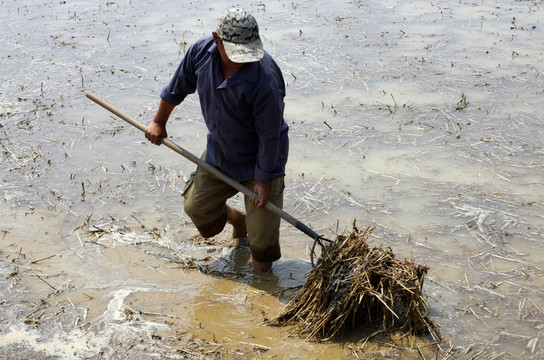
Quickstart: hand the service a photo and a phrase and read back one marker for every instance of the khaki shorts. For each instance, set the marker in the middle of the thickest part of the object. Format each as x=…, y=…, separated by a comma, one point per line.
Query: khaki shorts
x=205, y=203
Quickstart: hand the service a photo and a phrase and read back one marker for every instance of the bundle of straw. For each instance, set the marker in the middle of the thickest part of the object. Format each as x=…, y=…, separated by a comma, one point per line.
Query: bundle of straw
x=354, y=285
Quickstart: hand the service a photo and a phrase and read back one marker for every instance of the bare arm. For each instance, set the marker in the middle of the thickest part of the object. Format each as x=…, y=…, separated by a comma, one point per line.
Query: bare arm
x=156, y=130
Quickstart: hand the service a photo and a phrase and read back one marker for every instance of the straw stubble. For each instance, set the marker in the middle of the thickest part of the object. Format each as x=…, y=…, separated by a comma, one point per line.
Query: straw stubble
x=354, y=285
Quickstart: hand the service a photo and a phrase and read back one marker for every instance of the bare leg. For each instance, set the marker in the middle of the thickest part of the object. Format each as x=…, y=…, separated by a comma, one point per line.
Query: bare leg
x=262, y=266
x=238, y=221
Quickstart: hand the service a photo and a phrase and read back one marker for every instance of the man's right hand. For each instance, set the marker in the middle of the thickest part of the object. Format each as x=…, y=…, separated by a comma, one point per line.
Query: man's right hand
x=155, y=132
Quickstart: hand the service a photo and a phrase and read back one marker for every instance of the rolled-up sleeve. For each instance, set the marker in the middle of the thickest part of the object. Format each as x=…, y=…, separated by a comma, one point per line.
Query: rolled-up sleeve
x=183, y=81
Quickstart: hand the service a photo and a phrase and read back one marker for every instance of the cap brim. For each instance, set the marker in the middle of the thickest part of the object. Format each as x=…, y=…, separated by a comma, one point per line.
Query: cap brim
x=244, y=53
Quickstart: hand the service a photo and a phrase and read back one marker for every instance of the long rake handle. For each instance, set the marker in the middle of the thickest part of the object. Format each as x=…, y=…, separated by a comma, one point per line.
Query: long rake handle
x=195, y=159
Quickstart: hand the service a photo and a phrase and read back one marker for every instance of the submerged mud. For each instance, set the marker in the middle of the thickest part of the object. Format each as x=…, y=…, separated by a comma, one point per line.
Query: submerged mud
x=422, y=120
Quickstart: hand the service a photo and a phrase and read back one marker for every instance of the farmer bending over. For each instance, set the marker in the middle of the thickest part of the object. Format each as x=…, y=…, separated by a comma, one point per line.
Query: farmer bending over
x=241, y=91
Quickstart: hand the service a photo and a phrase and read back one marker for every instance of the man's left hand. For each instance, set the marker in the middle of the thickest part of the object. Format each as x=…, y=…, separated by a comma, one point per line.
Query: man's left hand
x=263, y=190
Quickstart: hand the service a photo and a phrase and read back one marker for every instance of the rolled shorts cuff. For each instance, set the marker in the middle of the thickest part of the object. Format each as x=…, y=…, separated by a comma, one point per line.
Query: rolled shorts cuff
x=269, y=254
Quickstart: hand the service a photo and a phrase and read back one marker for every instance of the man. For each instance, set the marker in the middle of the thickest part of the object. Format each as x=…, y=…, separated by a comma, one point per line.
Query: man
x=241, y=91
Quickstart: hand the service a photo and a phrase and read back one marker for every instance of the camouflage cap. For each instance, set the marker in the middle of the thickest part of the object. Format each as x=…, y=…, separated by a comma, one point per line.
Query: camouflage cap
x=239, y=31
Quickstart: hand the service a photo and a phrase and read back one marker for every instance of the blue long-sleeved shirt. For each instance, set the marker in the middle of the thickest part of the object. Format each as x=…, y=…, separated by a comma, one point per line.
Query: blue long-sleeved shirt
x=247, y=136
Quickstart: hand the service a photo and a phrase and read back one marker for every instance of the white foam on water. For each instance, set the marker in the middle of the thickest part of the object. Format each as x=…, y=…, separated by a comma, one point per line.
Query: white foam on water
x=108, y=329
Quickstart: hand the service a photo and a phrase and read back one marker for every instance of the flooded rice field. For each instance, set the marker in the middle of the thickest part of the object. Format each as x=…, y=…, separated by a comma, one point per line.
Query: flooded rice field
x=421, y=119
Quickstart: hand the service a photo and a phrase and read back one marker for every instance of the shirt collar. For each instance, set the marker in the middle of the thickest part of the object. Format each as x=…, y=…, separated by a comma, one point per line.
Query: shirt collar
x=249, y=72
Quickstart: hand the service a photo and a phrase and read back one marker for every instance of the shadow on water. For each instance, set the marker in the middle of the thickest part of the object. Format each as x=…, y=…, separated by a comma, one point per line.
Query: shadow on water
x=283, y=281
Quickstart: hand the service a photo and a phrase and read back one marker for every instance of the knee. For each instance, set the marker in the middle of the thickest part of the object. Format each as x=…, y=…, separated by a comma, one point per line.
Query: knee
x=196, y=211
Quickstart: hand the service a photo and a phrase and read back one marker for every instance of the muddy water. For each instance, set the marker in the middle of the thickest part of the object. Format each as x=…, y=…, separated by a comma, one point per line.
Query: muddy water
x=420, y=119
